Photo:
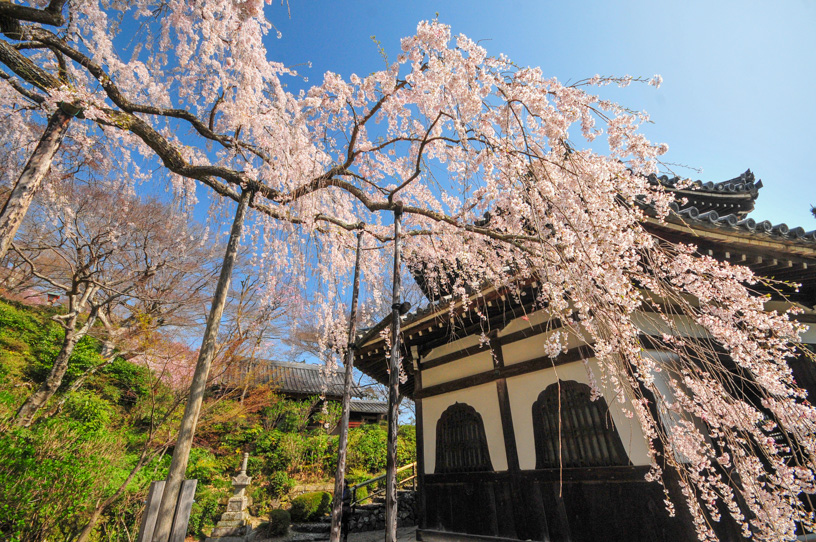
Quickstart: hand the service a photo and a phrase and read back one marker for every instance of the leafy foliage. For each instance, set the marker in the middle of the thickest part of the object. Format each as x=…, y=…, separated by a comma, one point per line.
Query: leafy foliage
x=93, y=412
x=51, y=474
x=206, y=510
x=280, y=484
x=310, y=506
x=279, y=521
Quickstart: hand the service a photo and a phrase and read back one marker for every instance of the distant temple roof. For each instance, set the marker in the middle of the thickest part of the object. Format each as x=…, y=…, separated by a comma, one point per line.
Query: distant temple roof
x=369, y=407
x=725, y=205
x=305, y=378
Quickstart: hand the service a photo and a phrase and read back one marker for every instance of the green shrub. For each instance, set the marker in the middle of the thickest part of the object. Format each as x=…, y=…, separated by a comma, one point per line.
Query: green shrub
x=203, y=466
x=406, y=445
x=280, y=484
x=367, y=448
x=355, y=477
x=279, y=521
x=310, y=506
x=206, y=510
x=129, y=377
x=51, y=475
x=89, y=409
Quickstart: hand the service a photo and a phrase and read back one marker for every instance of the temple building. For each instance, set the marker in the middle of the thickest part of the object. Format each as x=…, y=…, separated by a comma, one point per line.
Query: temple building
x=300, y=381
x=493, y=464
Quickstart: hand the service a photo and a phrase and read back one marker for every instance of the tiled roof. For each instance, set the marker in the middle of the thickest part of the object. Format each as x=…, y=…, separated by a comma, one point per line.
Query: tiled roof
x=744, y=183
x=305, y=378
x=725, y=205
x=369, y=407
x=693, y=216
x=734, y=196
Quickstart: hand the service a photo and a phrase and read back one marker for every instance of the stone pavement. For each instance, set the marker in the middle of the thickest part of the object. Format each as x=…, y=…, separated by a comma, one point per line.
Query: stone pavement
x=404, y=534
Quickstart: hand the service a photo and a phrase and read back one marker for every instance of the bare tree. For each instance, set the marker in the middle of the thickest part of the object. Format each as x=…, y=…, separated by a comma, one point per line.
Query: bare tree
x=117, y=260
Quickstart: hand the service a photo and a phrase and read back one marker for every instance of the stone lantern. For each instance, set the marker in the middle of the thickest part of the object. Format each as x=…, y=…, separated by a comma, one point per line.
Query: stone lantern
x=234, y=524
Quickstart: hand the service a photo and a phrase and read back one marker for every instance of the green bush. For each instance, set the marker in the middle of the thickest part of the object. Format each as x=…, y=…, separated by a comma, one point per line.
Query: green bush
x=206, y=510
x=280, y=484
x=367, y=448
x=52, y=475
x=310, y=506
x=406, y=445
x=279, y=521
x=89, y=409
x=129, y=377
x=355, y=477
x=203, y=466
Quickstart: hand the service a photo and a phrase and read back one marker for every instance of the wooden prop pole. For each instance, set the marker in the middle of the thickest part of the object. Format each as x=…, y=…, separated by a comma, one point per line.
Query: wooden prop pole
x=181, y=453
x=393, y=393
x=339, y=477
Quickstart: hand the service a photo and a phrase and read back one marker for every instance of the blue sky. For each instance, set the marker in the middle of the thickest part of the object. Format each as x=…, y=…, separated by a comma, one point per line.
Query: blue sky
x=739, y=77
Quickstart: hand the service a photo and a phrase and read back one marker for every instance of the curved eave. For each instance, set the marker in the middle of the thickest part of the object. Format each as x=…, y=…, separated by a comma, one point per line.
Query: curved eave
x=768, y=255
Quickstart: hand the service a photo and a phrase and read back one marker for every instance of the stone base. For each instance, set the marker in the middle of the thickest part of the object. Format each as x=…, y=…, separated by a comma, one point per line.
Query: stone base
x=222, y=530
x=237, y=504
x=234, y=516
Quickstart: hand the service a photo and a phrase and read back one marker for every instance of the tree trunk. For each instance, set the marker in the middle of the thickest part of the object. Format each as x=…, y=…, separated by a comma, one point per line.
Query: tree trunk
x=38, y=399
x=339, y=478
x=31, y=178
x=76, y=384
x=181, y=452
x=393, y=395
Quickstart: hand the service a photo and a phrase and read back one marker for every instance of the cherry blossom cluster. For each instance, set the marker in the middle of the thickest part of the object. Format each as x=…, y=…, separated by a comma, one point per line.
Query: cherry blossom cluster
x=504, y=176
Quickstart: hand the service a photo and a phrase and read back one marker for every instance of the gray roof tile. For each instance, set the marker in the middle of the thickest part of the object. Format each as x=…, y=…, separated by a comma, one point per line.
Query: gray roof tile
x=305, y=378
x=369, y=407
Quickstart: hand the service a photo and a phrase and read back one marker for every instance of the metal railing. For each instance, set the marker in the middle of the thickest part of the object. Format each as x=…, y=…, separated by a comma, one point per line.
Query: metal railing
x=411, y=476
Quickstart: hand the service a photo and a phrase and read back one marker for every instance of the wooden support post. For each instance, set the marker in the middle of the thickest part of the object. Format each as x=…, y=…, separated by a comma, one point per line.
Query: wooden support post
x=182, y=516
x=151, y=511
x=181, y=453
x=339, y=477
x=393, y=393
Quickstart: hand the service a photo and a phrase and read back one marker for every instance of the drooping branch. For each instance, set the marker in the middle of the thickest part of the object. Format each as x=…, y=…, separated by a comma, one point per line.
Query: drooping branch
x=51, y=15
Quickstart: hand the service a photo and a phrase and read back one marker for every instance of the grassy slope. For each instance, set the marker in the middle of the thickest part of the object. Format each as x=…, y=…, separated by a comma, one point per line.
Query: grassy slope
x=52, y=474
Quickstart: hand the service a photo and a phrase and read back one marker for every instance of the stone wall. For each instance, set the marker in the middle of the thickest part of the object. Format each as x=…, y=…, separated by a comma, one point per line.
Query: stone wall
x=370, y=517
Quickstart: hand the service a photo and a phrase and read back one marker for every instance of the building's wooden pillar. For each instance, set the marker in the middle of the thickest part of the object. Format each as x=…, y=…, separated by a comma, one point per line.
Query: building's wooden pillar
x=504, y=409
x=420, y=449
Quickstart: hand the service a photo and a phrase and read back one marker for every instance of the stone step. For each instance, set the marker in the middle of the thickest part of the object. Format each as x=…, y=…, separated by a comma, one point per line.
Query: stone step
x=307, y=537
x=314, y=527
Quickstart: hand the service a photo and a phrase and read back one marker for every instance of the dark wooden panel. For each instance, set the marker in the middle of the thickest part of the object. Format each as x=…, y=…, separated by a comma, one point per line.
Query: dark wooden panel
x=610, y=504
x=461, y=443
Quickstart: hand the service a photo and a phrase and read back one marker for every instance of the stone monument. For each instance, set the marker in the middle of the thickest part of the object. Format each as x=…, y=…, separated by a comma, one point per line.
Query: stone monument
x=234, y=524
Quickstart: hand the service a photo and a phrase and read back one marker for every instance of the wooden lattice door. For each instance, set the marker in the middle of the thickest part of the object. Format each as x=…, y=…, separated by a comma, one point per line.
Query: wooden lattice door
x=461, y=444
x=577, y=429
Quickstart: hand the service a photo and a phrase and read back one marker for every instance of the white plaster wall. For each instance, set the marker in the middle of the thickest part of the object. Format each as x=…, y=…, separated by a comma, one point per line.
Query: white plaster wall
x=533, y=347
x=485, y=400
x=653, y=324
x=460, y=368
x=809, y=336
x=524, y=390
x=519, y=324
x=453, y=346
